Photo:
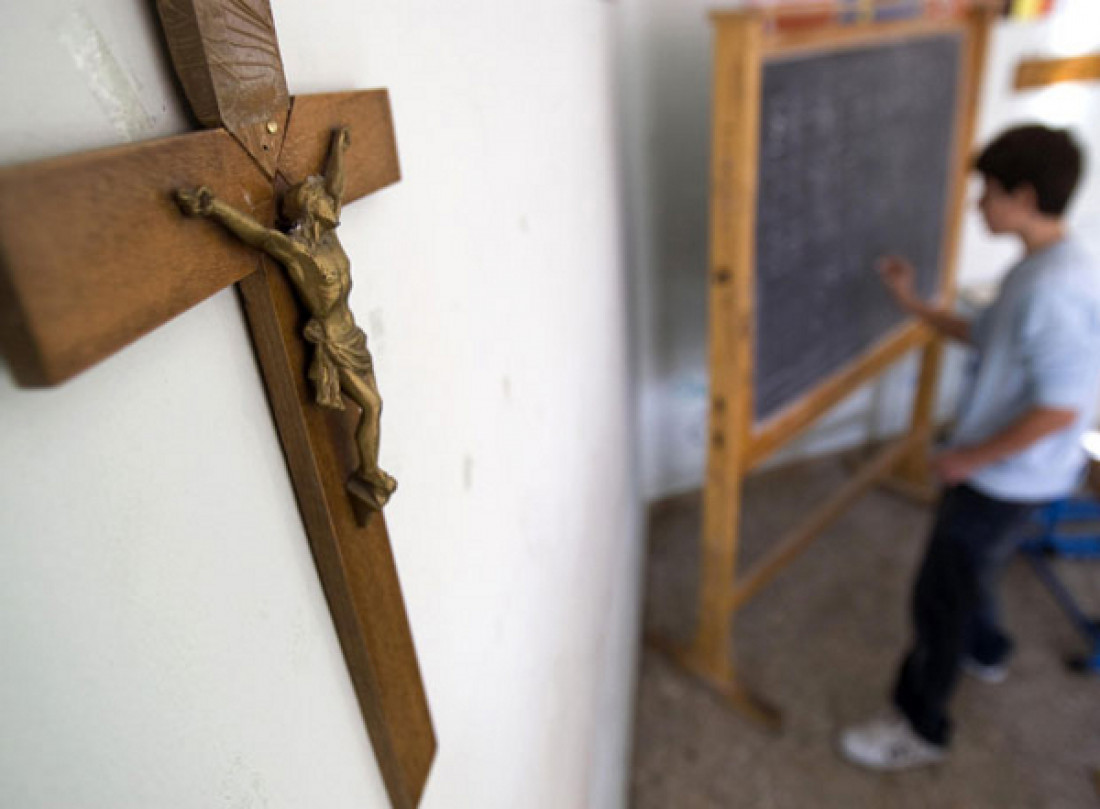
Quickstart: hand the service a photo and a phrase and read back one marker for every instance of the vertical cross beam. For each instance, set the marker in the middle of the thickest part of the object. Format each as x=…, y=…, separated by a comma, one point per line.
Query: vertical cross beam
x=355, y=561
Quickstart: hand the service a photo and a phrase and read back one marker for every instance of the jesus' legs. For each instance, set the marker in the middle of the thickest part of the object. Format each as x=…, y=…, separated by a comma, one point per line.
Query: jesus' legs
x=363, y=391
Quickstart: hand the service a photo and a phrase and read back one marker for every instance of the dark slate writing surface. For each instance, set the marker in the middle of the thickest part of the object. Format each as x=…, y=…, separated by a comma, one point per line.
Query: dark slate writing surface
x=855, y=158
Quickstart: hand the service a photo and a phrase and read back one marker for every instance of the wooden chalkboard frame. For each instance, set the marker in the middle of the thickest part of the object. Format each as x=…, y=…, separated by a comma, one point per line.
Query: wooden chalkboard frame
x=743, y=46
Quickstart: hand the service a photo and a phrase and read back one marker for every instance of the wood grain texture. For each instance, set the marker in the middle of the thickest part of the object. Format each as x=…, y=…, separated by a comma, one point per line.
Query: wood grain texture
x=371, y=160
x=1032, y=73
x=94, y=252
x=128, y=261
x=737, y=87
x=226, y=54
x=816, y=15
x=833, y=38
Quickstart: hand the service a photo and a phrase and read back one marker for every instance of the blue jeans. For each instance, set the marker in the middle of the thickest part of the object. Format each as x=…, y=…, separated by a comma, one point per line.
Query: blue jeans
x=955, y=603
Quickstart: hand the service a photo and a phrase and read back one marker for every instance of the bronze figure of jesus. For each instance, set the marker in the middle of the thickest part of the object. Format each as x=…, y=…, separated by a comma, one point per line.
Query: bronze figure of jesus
x=321, y=273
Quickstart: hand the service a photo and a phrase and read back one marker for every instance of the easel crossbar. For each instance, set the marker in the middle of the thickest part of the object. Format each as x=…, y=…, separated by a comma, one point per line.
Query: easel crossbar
x=781, y=428
x=803, y=535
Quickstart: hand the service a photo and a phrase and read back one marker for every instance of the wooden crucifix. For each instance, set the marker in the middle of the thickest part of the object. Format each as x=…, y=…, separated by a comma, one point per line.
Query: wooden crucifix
x=95, y=252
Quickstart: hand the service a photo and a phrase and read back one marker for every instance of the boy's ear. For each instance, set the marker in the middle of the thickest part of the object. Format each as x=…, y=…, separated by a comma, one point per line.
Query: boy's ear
x=1026, y=196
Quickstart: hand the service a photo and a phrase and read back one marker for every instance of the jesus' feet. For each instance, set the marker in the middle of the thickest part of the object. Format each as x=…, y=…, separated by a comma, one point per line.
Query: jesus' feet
x=373, y=491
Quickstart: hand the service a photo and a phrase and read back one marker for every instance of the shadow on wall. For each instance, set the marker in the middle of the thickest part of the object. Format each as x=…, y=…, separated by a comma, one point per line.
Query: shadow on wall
x=681, y=90
x=675, y=97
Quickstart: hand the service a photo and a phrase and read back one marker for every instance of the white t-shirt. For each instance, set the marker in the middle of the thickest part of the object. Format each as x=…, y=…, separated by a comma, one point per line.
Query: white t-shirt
x=1038, y=344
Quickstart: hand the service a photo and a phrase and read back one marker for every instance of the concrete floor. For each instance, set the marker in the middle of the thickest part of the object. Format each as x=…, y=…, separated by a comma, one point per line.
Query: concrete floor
x=822, y=642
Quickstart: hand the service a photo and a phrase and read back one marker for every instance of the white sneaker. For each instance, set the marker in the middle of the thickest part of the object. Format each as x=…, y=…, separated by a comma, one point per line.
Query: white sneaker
x=888, y=743
x=992, y=674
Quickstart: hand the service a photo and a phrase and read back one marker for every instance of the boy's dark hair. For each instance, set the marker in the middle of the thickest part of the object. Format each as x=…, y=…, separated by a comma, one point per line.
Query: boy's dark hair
x=1048, y=160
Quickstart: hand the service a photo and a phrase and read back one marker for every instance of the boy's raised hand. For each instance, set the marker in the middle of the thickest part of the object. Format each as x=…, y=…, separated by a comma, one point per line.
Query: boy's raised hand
x=899, y=276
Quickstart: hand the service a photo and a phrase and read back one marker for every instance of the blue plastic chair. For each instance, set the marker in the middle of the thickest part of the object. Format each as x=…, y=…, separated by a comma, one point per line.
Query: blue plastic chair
x=1056, y=539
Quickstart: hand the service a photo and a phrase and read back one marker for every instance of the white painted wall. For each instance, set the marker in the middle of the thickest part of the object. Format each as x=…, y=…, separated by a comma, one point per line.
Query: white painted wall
x=666, y=67
x=164, y=635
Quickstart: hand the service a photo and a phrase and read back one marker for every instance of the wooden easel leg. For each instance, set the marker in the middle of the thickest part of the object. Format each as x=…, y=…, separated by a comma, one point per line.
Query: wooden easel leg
x=913, y=477
x=719, y=677
x=737, y=86
x=709, y=655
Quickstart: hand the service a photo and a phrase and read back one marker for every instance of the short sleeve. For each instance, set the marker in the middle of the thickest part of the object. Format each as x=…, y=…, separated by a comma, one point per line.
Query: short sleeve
x=1058, y=344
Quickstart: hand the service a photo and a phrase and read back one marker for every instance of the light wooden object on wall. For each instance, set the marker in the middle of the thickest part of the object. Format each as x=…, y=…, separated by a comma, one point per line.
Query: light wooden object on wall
x=1033, y=73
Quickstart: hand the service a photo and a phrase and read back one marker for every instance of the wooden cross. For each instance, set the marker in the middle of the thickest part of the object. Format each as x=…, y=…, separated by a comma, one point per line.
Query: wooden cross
x=95, y=253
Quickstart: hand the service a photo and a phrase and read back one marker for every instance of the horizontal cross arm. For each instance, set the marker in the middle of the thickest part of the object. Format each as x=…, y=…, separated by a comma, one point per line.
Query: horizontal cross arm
x=371, y=160
x=94, y=251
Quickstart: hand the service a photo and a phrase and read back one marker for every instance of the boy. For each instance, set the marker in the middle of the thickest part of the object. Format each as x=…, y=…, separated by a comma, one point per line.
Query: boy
x=1017, y=443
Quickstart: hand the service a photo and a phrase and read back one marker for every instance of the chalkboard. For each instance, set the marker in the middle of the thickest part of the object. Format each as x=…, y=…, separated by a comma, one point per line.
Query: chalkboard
x=855, y=162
